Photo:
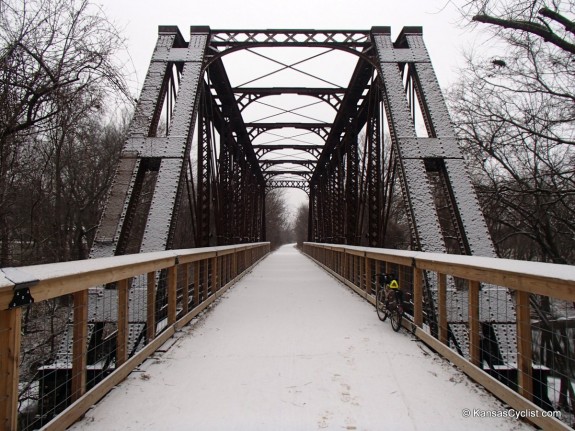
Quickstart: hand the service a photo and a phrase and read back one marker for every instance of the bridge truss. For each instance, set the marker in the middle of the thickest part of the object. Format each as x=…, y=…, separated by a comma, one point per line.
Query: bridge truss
x=193, y=173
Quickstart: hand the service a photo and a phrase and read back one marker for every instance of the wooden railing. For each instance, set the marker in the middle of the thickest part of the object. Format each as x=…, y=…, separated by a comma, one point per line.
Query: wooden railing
x=189, y=281
x=357, y=267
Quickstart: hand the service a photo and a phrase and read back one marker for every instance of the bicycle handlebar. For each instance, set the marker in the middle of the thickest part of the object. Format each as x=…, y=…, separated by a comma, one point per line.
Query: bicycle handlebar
x=386, y=278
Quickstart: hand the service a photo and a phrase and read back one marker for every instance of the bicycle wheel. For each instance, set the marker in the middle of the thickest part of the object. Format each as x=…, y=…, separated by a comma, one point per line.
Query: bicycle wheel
x=380, y=304
x=395, y=318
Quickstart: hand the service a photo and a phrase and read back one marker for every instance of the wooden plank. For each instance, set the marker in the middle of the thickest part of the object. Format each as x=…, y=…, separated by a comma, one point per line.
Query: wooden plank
x=172, y=294
x=10, y=329
x=195, y=257
x=524, y=346
x=442, y=307
x=79, y=344
x=473, y=323
x=151, y=306
x=399, y=260
x=65, y=278
x=560, y=289
x=76, y=282
x=417, y=297
x=353, y=252
x=123, y=323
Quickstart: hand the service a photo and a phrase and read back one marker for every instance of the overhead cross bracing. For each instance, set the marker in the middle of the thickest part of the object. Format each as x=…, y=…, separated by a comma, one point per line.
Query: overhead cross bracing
x=228, y=115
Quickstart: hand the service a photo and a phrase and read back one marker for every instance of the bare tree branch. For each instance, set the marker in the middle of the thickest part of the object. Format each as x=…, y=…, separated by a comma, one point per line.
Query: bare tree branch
x=555, y=16
x=529, y=27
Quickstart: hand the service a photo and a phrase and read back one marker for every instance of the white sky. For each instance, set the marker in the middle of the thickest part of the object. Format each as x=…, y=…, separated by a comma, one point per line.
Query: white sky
x=139, y=20
x=443, y=34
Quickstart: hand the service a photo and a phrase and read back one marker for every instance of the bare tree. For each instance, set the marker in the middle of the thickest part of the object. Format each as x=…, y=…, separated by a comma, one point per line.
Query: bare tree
x=300, y=224
x=51, y=52
x=57, y=75
x=277, y=223
x=514, y=109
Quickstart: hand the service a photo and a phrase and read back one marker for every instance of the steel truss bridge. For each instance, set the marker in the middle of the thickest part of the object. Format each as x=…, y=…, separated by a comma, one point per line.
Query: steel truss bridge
x=193, y=173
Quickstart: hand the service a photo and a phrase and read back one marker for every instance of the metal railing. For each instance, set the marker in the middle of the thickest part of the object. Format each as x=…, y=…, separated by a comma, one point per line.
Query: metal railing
x=71, y=331
x=509, y=325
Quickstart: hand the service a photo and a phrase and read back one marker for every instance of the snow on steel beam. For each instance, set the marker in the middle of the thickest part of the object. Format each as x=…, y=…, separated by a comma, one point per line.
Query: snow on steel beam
x=246, y=96
x=466, y=203
x=347, y=38
x=163, y=211
x=418, y=191
x=263, y=149
x=256, y=129
x=145, y=114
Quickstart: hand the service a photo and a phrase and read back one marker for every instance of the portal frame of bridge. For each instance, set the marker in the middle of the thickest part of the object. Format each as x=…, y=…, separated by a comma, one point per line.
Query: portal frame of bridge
x=382, y=67
x=164, y=198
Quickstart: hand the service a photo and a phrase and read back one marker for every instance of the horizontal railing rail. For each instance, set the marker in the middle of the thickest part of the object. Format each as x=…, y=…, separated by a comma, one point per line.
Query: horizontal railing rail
x=71, y=331
x=528, y=361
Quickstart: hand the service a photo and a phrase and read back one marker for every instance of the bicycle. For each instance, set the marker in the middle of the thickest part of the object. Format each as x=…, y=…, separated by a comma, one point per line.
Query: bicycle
x=389, y=300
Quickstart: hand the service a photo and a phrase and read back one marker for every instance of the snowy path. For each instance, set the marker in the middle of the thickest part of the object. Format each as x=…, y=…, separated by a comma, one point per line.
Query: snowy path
x=290, y=348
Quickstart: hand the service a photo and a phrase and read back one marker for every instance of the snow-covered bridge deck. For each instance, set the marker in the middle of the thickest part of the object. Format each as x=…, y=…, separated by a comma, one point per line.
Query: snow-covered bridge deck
x=291, y=348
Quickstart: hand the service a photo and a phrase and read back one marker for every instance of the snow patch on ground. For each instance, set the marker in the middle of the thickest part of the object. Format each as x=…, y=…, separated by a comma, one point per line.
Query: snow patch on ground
x=291, y=348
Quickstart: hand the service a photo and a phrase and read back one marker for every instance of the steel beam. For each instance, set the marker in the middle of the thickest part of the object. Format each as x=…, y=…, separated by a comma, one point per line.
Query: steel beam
x=262, y=150
x=247, y=95
x=256, y=129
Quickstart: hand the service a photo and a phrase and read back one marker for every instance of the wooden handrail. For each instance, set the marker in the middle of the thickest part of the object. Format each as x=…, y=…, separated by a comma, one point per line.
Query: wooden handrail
x=58, y=279
x=226, y=265
x=523, y=277
x=539, y=278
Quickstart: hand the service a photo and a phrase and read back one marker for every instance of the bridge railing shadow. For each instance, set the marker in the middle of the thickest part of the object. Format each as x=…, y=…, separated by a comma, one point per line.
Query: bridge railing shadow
x=509, y=325
x=71, y=331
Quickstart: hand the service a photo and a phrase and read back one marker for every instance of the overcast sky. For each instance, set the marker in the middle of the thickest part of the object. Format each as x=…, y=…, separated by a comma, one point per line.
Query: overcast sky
x=139, y=21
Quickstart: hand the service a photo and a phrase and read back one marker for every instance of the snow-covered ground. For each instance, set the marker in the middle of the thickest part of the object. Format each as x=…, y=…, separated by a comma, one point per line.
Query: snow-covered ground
x=291, y=348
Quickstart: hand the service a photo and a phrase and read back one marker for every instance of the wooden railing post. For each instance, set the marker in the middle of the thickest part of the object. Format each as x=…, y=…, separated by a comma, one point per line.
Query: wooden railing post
x=361, y=270
x=417, y=296
x=474, y=335
x=345, y=266
x=123, y=322
x=186, y=289
x=206, y=280
x=442, y=306
x=151, y=306
x=172, y=294
x=10, y=327
x=524, y=354
x=80, y=344
x=196, y=283
x=367, y=276
x=215, y=275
